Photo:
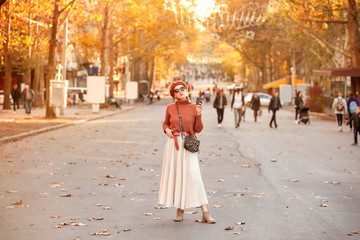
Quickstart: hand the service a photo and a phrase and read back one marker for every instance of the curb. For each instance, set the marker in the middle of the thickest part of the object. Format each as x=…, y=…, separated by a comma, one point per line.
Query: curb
x=46, y=129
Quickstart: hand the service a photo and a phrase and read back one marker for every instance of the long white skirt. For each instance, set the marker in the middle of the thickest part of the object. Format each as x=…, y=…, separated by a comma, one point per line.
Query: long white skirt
x=181, y=183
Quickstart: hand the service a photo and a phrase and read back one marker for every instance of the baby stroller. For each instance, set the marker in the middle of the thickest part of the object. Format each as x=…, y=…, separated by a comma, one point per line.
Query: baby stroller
x=304, y=114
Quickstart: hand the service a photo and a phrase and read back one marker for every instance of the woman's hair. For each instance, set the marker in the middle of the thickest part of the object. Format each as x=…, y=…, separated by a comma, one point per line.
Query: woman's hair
x=174, y=84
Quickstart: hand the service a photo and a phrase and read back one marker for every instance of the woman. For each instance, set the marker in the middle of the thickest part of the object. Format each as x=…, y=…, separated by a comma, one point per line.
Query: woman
x=238, y=105
x=255, y=104
x=298, y=102
x=181, y=183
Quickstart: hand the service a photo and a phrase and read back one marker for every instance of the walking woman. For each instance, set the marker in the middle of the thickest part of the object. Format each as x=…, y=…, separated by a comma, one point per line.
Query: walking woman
x=238, y=105
x=255, y=105
x=181, y=183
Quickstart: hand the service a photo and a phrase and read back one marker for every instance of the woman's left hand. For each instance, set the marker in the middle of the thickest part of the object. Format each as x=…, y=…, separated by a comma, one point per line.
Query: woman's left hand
x=199, y=108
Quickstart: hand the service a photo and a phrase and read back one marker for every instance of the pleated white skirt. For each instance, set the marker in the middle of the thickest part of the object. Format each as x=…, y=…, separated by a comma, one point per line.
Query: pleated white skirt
x=181, y=183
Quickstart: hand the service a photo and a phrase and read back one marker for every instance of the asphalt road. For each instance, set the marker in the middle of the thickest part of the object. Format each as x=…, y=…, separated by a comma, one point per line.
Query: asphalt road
x=294, y=182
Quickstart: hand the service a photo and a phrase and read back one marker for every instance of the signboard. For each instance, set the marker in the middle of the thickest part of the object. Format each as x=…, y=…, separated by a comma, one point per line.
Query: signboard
x=58, y=92
x=285, y=93
x=95, y=89
x=132, y=90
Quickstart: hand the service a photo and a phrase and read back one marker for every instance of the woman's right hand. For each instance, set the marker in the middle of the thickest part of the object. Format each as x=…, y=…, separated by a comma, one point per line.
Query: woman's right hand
x=169, y=133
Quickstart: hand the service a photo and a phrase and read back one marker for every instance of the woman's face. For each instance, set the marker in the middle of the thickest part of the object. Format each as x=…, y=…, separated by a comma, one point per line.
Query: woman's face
x=180, y=92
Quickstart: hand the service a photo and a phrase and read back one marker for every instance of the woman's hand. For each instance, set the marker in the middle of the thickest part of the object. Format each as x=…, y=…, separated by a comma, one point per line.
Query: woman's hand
x=169, y=133
x=199, y=108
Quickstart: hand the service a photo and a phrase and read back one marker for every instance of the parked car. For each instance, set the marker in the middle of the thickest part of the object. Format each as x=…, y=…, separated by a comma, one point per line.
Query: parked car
x=264, y=98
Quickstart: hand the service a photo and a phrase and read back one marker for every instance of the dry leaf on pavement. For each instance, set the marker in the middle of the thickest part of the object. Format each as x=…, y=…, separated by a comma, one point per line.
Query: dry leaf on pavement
x=65, y=195
x=218, y=206
x=148, y=214
x=229, y=228
x=17, y=202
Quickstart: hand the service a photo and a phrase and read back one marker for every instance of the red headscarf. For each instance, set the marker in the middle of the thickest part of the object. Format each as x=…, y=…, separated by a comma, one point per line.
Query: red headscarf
x=174, y=84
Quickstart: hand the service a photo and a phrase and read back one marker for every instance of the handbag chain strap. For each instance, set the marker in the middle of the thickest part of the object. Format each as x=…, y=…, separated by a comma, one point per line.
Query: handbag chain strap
x=181, y=123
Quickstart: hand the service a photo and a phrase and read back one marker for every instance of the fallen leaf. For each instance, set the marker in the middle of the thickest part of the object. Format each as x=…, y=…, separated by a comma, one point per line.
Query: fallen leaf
x=240, y=223
x=98, y=204
x=109, y=176
x=334, y=183
x=157, y=218
x=79, y=224
x=273, y=160
x=218, y=206
x=221, y=180
x=238, y=232
x=95, y=219
x=160, y=207
x=107, y=208
x=126, y=229
x=348, y=188
x=355, y=232
x=323, y=205
x=122, y=178
x=294, y=180
x=309, y=172
x=58, y=216
x=229, y=228
x=246, y=166
x=17, y=202
x=148, y=214
x=65, y=195
x=104, y=232
x=11, y=191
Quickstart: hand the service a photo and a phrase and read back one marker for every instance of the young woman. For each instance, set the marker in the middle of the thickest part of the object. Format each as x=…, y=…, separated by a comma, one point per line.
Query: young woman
x=238, y=105
x=255, y=105
x=181, y=183
x=298, y=102
x=274, y=106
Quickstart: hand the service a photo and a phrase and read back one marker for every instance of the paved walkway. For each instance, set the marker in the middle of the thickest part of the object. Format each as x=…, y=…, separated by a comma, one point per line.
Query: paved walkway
x=17, y=125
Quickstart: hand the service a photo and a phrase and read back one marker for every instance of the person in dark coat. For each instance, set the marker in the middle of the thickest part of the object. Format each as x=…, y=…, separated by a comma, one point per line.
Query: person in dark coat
x=274, y=106
x=352, y=103
x=15, y=95
x=220, y=103
x=355, y=119
x=255, y=105
x=298, y=102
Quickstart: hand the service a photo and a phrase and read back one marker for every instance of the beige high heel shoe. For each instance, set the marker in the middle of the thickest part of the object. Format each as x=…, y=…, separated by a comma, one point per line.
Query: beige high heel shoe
x=207, y=218
x=179, y=215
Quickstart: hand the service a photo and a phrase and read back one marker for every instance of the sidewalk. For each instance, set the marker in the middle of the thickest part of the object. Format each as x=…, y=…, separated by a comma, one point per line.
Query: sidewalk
x=15, y=126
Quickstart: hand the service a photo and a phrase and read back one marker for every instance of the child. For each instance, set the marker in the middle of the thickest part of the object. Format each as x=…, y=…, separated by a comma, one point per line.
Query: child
x=356, y=122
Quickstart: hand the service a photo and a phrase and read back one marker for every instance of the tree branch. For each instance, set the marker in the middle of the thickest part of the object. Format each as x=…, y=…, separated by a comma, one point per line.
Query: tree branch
x=69, y=4
x=324, y=21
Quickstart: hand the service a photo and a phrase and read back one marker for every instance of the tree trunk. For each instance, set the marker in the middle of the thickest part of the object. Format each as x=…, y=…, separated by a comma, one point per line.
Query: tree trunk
x=28, y=57
x=354, y=37
x=35, y=85
x=152, y=71
x=8, y=78
x=103, y=37
x=111, y=65
x=41, y=85
x=50, y=111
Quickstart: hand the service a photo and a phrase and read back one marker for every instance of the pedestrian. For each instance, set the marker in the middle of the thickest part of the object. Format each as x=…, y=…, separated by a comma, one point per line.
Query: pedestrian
x=274, y=106
x=352, y=102
x=355, y=119
x=181, y=184
x=151, y=96
x=298, y=102
x=28, y=97
x=238, y=105
x=158, y=93
x=81, y=96
x=15, y=95
x=255, y=105
x=339, y=108
x=220, y=103
x=207, y=95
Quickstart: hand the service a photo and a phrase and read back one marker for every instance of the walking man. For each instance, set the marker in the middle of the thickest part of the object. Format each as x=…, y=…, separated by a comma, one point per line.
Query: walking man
x=220, y=104
x=339, y=108
x=15, y=94
x=274, y=106
x=238, y=104
x=28, y=97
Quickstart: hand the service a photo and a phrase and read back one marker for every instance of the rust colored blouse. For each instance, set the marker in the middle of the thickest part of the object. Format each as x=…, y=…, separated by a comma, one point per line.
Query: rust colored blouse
x=192, y=123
